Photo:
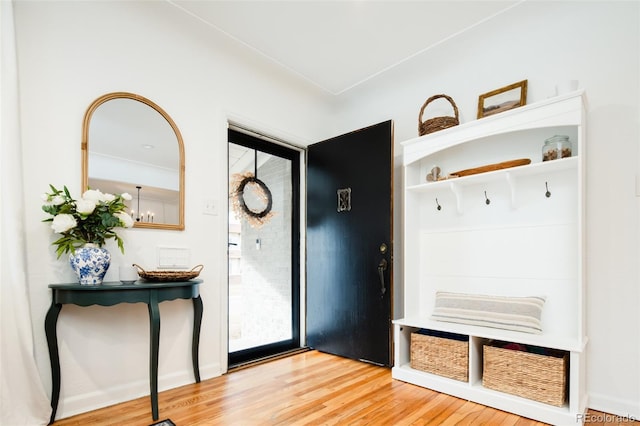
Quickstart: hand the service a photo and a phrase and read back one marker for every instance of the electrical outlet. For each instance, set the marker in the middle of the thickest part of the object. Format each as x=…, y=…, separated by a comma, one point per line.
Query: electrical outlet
x=173, y=258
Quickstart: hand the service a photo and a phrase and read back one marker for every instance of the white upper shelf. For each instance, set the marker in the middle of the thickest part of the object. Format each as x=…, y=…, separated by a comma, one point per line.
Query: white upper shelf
x=513, y=172
x=565, y=110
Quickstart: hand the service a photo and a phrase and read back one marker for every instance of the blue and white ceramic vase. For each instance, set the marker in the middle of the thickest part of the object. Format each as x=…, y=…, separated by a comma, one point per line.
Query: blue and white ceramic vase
x=90, y=263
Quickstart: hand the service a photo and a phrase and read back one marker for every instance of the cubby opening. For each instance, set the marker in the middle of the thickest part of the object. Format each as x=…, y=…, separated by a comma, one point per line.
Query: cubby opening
x=532, y=372
x=441, y=353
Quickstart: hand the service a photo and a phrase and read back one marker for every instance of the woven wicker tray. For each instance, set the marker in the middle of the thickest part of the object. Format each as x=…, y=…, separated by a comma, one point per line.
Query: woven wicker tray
x=167, y=276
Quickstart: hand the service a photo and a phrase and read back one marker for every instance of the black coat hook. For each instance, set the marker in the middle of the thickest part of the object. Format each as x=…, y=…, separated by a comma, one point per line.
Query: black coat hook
x=487, y=201
x=547, y=194
x=438, y=204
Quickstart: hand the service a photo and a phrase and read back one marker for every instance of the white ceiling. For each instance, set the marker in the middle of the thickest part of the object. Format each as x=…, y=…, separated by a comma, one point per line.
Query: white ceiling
x=337, y=45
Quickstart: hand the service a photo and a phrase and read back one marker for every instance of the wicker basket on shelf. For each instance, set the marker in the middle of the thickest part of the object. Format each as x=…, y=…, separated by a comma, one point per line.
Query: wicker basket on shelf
x=440, y=355
x=168, y=276
x=534, y=376
x=437, y=123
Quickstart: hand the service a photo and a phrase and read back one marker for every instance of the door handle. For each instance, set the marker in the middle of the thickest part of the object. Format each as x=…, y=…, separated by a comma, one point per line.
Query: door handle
x=382, y=266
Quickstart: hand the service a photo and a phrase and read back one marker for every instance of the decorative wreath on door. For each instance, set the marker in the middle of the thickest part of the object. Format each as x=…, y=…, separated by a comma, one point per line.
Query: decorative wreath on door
x=251, y=198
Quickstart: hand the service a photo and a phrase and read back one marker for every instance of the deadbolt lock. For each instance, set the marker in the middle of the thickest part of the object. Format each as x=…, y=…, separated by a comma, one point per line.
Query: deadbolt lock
x=383, y=248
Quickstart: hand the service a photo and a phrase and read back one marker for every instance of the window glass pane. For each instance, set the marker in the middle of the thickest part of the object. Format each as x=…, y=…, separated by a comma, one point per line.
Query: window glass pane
x=260, y=257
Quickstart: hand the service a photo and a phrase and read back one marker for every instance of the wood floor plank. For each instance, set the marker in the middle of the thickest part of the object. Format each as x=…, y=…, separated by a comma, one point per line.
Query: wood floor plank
x=465, y=415
x=309, y=388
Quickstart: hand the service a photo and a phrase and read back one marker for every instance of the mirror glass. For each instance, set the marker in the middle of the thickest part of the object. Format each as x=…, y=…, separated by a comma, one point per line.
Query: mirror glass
x=131, y=145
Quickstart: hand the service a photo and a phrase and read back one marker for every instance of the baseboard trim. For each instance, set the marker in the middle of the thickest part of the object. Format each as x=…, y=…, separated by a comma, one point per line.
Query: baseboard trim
x=626, y=409
x=94, y=400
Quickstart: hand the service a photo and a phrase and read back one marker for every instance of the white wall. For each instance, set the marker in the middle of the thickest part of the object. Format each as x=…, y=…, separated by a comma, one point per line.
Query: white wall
x=597, y=43
x=70, y=53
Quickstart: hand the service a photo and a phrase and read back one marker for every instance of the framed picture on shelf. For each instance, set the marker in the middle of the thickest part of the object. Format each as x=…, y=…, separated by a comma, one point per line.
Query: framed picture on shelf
x=503, y=99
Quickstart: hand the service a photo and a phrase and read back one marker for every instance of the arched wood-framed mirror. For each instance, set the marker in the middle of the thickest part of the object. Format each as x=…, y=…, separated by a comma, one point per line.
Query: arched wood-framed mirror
x=130, y=144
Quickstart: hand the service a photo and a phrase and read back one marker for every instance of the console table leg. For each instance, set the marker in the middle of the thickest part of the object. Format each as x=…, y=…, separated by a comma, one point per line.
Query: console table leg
x=154, y=321
x=51, y=332
x=197, y=321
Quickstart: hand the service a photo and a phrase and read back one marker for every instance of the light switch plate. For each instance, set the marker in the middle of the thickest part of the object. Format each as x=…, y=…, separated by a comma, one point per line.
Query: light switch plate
x=210, y=206
x=173, y=258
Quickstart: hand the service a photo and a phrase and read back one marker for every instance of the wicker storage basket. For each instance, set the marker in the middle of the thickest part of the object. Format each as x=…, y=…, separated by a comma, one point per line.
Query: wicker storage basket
x=437, y=123
x=541, y=378
x=440, y=355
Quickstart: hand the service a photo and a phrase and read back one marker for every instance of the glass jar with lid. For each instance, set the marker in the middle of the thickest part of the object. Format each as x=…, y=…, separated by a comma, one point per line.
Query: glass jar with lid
x=558, y=146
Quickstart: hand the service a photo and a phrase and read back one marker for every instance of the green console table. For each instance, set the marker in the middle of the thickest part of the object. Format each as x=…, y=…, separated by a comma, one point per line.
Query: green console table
x=113, y=293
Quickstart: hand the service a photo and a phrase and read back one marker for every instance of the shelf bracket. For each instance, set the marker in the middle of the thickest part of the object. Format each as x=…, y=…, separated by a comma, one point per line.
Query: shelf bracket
x=512, y=187
x=456, y=191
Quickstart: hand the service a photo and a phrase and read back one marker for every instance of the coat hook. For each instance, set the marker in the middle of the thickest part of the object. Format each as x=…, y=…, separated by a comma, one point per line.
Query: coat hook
x=547, y=194
x=438, y=204
x=487, y=200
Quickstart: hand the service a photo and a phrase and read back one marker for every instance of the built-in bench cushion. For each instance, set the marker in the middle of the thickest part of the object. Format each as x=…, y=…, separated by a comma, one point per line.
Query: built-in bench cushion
x=509, y=313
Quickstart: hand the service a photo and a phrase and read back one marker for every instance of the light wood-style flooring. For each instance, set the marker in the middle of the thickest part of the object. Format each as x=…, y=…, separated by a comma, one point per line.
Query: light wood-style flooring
x=309, y=388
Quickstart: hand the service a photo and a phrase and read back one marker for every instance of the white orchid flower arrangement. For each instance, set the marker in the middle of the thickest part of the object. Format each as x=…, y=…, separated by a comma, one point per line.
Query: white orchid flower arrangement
x=91, y=219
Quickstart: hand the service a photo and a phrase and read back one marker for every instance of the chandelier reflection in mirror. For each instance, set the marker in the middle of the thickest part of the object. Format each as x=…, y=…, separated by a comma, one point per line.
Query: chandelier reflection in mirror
x=139, y=215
